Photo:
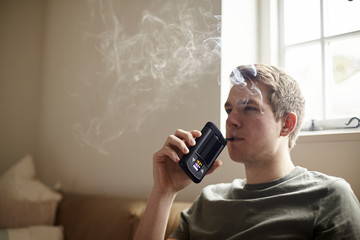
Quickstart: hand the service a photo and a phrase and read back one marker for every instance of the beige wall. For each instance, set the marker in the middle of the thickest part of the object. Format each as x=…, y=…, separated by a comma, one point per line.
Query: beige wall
x=88, y=117
x=21, y=40
x=335, y=153
x=63, y=101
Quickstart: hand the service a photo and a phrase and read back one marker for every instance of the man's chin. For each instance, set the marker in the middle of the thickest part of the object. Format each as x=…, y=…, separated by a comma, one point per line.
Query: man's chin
x=237, y=158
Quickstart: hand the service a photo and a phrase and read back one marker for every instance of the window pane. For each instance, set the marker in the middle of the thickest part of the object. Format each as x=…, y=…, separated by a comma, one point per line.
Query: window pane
x=304, y=64
x=341, y=16
x=301, y=21
x=343, y=85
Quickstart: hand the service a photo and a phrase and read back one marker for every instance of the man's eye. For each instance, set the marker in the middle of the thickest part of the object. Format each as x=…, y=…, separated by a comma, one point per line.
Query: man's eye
x=249, y=108
x=228, y=110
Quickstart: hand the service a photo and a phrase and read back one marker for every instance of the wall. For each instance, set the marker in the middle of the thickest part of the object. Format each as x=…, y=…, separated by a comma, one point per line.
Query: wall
x=21, y=31
x=334, y=152
x=107, y=103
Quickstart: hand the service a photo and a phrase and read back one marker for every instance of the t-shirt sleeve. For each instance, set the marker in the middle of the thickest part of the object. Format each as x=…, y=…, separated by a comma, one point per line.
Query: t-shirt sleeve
x=182, y=231
x=339, y=213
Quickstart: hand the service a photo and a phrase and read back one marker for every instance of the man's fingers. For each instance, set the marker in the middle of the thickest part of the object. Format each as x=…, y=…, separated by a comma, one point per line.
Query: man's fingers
x=188, y=137
x=215, y=166
x=182, y=139
x=176, y=143
x=167, y=152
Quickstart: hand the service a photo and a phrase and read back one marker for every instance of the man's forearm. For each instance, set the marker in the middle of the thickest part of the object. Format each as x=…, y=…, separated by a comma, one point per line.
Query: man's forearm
x=154, y=220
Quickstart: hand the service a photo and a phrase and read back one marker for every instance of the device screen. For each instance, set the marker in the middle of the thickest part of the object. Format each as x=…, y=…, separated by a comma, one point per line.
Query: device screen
x=197, y=165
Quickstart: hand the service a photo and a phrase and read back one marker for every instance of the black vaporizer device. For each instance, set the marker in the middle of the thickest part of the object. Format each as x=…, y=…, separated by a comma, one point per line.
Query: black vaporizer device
x=202, y=156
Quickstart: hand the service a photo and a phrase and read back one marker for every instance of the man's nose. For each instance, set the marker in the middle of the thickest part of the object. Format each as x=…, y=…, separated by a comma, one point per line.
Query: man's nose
x=233, y=121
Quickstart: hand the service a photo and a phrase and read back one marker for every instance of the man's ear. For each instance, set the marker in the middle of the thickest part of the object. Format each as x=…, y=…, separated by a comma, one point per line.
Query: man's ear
x=289, y=122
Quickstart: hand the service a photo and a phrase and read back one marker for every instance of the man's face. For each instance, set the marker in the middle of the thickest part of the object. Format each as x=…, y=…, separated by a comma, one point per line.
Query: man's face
x=252, y=124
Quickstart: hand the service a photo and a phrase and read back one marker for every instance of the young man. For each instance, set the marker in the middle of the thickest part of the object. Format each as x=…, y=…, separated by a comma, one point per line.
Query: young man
x=276, y=200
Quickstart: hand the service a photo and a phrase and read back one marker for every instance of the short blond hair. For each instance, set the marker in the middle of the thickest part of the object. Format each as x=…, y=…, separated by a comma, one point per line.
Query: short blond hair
x=284, y=92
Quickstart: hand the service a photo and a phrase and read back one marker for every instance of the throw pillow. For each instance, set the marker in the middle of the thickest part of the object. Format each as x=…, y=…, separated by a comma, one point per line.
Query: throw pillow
x=24, y=200
x=33, y=233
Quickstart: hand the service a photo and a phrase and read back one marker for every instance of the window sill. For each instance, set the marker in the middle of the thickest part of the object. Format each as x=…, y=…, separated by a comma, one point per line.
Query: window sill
x=338, y=135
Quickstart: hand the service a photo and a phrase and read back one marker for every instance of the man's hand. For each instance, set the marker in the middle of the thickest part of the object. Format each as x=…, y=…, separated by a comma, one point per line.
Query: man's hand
x=169, y=179
x=168, y=176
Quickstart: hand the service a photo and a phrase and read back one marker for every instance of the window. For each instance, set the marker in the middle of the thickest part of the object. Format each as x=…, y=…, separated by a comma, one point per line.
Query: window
x=319, y=45
x=238, y=42
x=315, y=41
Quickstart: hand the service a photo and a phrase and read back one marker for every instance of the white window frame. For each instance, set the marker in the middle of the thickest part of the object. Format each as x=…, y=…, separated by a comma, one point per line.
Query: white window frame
x=267, y=37
x=324, y=123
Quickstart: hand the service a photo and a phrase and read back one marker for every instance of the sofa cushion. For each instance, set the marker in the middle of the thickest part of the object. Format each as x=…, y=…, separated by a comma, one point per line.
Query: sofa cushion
x=93, y=217
x=24, y=200
x=32, y=233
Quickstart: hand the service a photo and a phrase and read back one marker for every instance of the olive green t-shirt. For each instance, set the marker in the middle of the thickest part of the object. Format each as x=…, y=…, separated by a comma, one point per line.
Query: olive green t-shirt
x=302, y=205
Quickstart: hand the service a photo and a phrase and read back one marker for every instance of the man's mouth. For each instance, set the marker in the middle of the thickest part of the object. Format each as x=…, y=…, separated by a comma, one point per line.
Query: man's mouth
x=234, y=139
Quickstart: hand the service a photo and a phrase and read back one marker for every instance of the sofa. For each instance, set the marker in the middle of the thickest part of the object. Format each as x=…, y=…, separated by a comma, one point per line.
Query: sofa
x=31, y=210
x=94, y=217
